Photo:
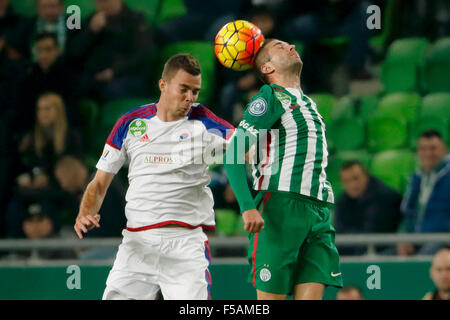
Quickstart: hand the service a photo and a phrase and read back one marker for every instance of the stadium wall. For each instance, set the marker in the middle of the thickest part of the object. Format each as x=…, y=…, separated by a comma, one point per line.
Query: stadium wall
x=397, y=281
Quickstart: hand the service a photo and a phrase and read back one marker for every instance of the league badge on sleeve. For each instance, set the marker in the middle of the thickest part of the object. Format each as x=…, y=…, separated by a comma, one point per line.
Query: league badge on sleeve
x=258, y=107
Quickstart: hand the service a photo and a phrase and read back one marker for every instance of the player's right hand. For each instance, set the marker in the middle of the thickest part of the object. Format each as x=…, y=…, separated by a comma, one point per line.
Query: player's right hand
x=253, y=222
x=86, y=223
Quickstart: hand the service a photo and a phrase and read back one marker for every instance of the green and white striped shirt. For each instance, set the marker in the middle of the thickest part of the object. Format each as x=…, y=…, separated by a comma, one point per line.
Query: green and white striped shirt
x=291, y=153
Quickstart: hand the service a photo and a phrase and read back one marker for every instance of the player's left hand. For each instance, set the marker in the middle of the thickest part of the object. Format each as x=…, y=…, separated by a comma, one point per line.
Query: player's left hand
x=86, y=223
x=253, y=222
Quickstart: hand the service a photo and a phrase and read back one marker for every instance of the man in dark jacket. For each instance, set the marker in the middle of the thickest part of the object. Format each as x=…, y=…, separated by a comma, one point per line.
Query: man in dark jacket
x=50, y=73
x=114, y=50
x=426, y=205
x=367, y=205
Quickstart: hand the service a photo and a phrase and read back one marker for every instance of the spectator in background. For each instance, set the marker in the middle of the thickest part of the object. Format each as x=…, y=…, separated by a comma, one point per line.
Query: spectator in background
x=50, y=138
x=426, y=205
x=115, y=50
x=51, y=73
x=366, y=206
x=73, y=176
x=202, y=20
x=8, y=21
x=51, y=18
x=38, y=152
x=316, y=20
x=440, y=274
x=349, y=293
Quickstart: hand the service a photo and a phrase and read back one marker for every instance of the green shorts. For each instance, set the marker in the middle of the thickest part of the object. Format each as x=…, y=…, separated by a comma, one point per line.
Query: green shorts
x=296, y=245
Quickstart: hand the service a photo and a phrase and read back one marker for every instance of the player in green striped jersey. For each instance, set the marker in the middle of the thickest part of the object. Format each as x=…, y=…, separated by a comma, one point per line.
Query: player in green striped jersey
x=292, y=250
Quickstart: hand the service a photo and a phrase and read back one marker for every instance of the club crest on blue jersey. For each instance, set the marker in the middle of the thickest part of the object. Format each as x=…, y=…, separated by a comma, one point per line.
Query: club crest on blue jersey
x=258, y=107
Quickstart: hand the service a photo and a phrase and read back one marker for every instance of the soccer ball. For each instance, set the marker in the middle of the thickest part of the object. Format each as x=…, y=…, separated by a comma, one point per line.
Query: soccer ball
x=237, y=43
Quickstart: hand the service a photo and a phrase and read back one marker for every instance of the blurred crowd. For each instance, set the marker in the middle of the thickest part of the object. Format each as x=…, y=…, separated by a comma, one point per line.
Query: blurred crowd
x=46, y=69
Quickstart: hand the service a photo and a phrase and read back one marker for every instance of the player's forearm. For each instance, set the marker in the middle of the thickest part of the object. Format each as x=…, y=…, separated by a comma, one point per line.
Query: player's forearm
x=92, y=199
x=237, y=174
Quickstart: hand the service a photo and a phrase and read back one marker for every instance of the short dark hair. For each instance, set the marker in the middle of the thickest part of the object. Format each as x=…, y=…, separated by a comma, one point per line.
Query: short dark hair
x=183, y=61
x=262, y=57
x=46, y=35
x=351, y=163
x=431, y=133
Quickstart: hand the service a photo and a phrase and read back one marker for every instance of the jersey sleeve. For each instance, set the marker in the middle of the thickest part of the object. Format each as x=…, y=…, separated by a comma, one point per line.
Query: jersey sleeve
x=114, y=152
x=262, y=112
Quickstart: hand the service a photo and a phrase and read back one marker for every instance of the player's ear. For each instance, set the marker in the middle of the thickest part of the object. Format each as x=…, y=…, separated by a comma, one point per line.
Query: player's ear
x=162, y=83
x=266, y=68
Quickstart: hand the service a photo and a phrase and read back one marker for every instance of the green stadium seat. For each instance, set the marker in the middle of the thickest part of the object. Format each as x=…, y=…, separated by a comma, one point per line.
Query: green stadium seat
x=436, y=104
x=343, y=108
x=437, y=67
x=113, y=110
x=204, y=52
x=325, y=103
x=394, y=167
x=368, y=105
x=386, y=133
x=86, y=6
x=24, y=8
x=170, y=9
x=226, y=220
x=239, y=229
x=150, y=8
x=427, y=122
x=400, y=69
x=346, y=134
x=399, y=105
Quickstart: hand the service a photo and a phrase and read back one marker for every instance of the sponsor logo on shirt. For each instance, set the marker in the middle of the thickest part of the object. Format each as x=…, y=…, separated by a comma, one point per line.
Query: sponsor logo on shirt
x=162, y=159
x=258, y=107
x=243, y=124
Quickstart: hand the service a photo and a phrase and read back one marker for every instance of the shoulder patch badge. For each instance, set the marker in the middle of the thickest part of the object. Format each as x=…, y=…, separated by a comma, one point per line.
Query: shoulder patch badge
x=137, y=128
x=258, y=107
x=284, y=98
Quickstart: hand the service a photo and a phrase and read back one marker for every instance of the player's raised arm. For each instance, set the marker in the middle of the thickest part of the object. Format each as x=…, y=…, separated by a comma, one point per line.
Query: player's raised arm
x=91, y=202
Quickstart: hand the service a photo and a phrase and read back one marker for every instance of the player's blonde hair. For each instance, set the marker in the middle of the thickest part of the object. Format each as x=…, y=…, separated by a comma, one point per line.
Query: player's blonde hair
x=183, y=61
x=59, y=125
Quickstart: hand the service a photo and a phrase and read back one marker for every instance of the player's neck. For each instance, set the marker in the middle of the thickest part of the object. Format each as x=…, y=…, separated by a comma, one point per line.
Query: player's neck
x=288, y=81
x=164, y=115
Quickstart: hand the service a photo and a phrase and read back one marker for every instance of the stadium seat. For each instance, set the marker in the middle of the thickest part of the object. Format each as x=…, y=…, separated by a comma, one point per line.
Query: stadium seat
x=150, y=8
x=86, y=6
x=325, y=103
x=367, y=106
x=170, y=9
x=399, y=105
x=400, y=69
x=346, y=134
x=437, y=67
x=343, y=108
x=386, y=133
x=226, y=220
x=113, y=110
x=394, y=167
x=24, y=8
x=436, y=104
x=204, y=52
